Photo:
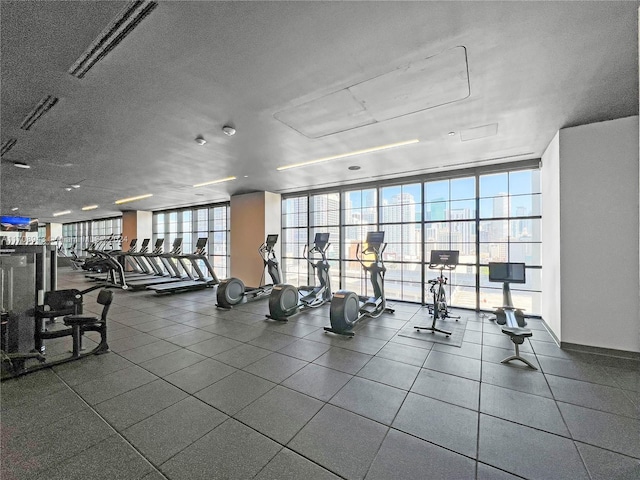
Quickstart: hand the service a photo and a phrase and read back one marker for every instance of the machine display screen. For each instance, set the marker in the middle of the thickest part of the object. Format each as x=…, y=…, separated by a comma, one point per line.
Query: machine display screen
x=444, y=257
x=272, y=239
x=507, y=272
x=375, y=239
x=321, y=240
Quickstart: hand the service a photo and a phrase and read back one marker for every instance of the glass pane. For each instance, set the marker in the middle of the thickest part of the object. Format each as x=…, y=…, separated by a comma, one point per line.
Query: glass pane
x=494, y=185
x=494, y=252
x=525, y=230
x=529, y=253
x=463, y=275
x=436, y=211
x=495, y=207
x=462, y=209
x=436, y=191
x=462, y=297
x=525, y=181
x=525, y=205
x=463, y=188
x=494, y=231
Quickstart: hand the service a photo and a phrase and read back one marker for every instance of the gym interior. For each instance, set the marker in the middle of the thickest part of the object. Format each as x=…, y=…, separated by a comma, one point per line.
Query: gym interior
x=394, y=240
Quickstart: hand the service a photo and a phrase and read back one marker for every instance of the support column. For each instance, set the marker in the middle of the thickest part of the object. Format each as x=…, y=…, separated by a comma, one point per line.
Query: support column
x=253, y=217
x=53, y=231
x=136, y=224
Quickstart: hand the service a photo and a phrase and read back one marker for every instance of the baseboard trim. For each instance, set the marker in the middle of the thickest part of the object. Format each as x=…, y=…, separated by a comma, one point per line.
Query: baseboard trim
x=610, y=352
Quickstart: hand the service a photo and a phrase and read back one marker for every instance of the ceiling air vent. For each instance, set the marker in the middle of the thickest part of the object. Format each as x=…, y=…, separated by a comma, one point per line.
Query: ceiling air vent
x=110, y=37
x=8, y=145
x=43, y=107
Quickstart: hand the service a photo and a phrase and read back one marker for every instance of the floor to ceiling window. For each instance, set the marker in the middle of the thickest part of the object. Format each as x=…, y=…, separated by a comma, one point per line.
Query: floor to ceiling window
x=486, y=215
x=79, y=236
x=189, y=225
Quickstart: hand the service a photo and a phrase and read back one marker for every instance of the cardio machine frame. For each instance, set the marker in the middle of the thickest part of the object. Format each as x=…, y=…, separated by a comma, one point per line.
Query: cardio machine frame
x=286, y=300
x=440, y=260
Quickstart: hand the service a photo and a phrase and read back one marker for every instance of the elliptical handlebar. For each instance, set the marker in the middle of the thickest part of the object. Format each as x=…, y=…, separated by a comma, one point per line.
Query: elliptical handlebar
x=377, y=252
x=322, y=251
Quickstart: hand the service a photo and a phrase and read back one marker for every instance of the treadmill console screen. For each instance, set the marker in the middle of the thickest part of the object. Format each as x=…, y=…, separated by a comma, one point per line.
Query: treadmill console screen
x=201, y=242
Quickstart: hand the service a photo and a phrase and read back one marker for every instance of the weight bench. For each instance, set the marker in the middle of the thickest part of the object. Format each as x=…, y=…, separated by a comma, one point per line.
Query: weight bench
x=512, y=319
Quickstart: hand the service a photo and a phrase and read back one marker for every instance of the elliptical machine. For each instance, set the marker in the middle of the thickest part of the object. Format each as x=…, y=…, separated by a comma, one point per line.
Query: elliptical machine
x=233, y=291
x=286, y=300
x=347, y=308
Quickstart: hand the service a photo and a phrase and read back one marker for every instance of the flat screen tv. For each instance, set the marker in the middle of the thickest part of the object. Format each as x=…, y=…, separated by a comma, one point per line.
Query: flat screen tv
x=10, y=223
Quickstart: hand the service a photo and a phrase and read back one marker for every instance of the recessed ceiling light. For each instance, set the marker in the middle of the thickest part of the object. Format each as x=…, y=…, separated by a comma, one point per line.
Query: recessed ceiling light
x=89, y=207
x=133, y=199
x=451, y=134
x=229, y=131
x=214, y=181
x=14, y=209
x=200, y=140
x=350, y=154
x=246, y=176
x=354, y=167
x=75, y=186
x=65, y=212
x=68, y=189
x=21, y=165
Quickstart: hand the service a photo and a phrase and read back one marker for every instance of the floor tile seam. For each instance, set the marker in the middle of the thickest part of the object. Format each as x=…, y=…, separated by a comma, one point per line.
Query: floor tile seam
x=600, y=447
x=400, y=361
x=388, y=384
x=453, y=374
x=444, y=401
x=113, y=429
x=588, y=382
x=265, y=378
x=391, y=427
x=627, y=417
x=557, y=374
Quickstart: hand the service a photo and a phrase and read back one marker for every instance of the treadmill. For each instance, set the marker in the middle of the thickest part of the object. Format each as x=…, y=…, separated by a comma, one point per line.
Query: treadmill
x=199, y=283
x=175, y=274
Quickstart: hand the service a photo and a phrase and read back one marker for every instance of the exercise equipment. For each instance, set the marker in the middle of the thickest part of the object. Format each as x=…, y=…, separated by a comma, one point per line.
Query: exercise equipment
x=512, y=318
x=200, y=282
x=286, y=300
x=440, y=260
x=233, y=291
x=347, y=308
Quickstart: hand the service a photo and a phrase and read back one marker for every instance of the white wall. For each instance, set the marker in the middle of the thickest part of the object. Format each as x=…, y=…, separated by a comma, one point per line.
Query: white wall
x=551, y=285
x=598, y=251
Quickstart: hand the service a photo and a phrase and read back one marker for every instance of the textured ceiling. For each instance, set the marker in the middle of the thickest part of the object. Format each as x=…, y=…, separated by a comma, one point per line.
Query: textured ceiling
x=128, y=126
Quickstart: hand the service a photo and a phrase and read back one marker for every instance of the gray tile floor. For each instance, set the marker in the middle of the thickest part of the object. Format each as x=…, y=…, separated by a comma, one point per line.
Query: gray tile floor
x=192, y=392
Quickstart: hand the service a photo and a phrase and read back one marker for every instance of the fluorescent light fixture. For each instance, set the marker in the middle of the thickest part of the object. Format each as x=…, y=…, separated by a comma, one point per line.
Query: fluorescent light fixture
x=14, y=209
x=350, y=154
x=21, y=165
x=133, y=199
x=65, y=212
x=214, y=182
x=89, y=207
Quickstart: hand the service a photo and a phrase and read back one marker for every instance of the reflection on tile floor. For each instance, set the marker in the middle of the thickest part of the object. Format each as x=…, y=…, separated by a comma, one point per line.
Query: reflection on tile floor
x=192, y=392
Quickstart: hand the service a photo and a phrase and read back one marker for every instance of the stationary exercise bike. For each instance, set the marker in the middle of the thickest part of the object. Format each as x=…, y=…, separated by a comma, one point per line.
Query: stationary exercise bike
x=512, y=318
x=286, y=300
x=232, y=291
x=440, y=260
x=347, y=308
